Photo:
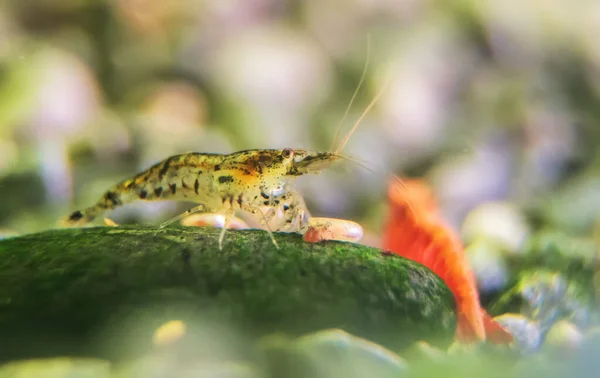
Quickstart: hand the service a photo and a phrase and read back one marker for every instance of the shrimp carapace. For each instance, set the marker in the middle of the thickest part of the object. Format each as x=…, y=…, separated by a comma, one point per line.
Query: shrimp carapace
x=415, y=230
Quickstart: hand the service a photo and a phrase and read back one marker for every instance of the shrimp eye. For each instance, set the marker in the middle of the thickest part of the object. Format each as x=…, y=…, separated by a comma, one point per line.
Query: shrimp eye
x=287, y=153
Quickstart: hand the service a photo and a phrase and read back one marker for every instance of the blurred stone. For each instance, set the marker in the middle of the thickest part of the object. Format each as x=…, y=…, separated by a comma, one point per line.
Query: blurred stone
x=172, y=121
x=499, y=222
x=47, y=94
x=585, y=362
x=563, y=338
x=165, y=366
x=481, y=175
x=12, y=37
x=169, y=333
x=332, y=353
x=9, y=153
x=424, y=350
x=222, y=20
x=7, y=233
x=340, y=31
x=155, y=18
x=225, y=369
x=576, y=206
x=108, y=136
x=422, y=85
x=176, y=107
x=526, y=333
x=488, y=265
x=273, y=70
x=538, y=365
x=591, y=338
x=25, y=192
x=57, y=368
x=555, y=250
x=66, y=97
x=464, y=349
x=522, y=33
x=550, y=142
x=55, y=171
x=546, y=297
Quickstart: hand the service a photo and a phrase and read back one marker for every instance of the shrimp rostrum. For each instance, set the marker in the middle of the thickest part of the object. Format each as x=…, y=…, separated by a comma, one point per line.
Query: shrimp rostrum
x=254, y=181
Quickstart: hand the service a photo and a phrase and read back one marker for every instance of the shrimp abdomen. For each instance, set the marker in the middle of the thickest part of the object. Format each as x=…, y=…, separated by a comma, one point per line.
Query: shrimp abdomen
x=181, y=177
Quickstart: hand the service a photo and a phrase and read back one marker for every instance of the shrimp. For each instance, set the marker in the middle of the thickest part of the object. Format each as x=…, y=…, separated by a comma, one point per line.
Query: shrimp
x=253, y=181
x=246, y=180
x=420, y=234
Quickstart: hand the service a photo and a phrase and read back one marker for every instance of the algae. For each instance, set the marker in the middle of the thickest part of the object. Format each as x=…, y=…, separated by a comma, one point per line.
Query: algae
x=63, y=291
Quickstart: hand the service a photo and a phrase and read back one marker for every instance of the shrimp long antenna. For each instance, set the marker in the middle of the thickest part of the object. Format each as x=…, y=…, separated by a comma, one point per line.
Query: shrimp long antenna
x=362, y=116
x=360, y=83
x=369, y=167
x=361, y=163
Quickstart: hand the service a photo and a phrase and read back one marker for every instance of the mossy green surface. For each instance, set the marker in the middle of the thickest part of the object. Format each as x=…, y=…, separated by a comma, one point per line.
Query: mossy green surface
x=61, y=291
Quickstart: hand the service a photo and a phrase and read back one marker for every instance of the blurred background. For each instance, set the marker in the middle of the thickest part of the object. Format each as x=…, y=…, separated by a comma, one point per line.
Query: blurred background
x=491, y=101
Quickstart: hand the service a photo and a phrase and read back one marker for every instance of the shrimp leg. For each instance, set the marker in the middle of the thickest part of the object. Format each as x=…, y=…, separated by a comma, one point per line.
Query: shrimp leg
x=183, y=215
x=268, y=228
x=320, y=229
x=213, y=220
x=229, y=214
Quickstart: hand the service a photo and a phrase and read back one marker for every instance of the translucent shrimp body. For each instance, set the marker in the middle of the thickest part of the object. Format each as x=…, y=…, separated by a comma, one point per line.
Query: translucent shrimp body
x=251, y=181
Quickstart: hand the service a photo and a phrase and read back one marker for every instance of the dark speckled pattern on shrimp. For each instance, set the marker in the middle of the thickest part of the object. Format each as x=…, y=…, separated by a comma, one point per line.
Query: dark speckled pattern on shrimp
x=245, y=180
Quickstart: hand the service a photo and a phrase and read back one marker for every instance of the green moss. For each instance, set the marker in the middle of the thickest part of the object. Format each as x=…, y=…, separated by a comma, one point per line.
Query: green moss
x=62, y=291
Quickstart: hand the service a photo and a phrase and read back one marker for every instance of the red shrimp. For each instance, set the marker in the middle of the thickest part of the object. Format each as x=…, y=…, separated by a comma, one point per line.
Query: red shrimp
x=415, y=230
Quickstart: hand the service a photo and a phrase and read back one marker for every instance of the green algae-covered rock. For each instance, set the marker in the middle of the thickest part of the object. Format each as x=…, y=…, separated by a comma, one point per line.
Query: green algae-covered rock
x=62, y=292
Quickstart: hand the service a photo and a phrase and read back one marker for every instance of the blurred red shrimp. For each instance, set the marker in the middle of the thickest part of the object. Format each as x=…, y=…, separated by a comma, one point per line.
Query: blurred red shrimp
x=416, y=230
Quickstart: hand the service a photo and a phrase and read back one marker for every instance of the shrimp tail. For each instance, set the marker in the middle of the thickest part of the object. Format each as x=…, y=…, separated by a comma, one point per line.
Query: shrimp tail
x=81, y=217
x=492, y=331
x=419, y=234
x=110, y=200
x=467, y=332
x=495, y=332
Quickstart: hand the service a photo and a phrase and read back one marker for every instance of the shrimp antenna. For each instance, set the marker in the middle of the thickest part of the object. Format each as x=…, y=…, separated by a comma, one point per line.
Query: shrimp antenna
x=362, y=116
x=360, y=83
x=361, y=163
x=370, y=167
